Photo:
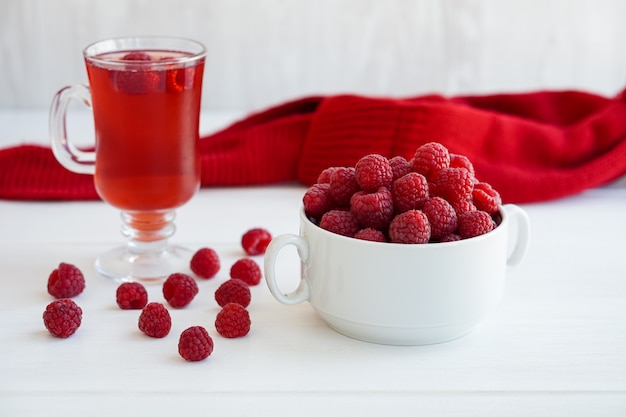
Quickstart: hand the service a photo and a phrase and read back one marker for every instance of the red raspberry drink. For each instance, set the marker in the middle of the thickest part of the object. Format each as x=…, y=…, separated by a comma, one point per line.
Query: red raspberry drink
x=146, y=118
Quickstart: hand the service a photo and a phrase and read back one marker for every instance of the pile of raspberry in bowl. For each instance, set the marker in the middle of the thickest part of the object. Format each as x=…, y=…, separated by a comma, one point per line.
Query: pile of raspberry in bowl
x=433, y=197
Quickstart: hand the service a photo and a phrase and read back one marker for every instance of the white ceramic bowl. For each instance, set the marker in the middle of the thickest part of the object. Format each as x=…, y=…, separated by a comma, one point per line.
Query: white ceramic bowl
x=402, y=294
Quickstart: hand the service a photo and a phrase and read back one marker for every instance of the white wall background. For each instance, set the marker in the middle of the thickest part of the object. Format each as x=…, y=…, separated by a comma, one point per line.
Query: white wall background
x=262, y=52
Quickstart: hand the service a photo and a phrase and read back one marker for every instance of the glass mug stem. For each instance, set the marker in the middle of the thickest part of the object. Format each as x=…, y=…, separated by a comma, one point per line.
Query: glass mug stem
x=147, y=256
x=144, y=93
x=146, y=228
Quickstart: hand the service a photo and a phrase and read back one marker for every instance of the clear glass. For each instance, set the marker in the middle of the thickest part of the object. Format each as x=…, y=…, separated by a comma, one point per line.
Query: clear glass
x=145, y=94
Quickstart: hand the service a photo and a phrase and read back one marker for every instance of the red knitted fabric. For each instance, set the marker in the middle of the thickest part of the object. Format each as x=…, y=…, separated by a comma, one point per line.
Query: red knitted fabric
x=531, y=147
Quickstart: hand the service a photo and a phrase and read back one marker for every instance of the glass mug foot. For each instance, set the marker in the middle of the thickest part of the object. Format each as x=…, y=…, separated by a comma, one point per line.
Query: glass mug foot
x=147, y=256
x=122, y=264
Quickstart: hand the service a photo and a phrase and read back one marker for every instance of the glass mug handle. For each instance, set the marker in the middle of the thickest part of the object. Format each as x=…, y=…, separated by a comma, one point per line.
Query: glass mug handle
x=65, y=151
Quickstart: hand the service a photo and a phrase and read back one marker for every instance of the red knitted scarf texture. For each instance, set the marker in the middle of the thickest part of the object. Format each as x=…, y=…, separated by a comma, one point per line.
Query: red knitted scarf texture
x=531, y=147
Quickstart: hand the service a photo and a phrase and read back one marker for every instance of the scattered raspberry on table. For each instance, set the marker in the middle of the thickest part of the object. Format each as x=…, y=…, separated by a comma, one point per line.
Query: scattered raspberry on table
x=195, y=344
x=233, y=291
x=131, y=296
x=247, y=270
x=66, y=281
x=179, y=289
x=232, y=321
x=255, y=241
x=205, y=263
x=62, y=317
x=155, y=320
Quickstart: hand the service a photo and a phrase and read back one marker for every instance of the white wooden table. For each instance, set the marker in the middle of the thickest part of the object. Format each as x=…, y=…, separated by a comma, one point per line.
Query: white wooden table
x=556, y=347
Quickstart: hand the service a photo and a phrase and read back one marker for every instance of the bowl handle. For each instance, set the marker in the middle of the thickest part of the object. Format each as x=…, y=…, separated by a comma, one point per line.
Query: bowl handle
x=520, y=218
x=301, y=293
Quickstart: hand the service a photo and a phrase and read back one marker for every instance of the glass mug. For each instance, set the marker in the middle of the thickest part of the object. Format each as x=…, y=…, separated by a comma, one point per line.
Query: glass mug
x=145, y=95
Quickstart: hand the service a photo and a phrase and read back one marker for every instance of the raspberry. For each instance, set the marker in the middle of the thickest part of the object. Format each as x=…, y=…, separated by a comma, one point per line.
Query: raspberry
x=137, y=82
x=324, y=177
x=66, y=281
x=409, y=192
x=179, y=289
x=461, y=161
x=475, y=223
x=372, y=172
x=155, y=320
x=441, y=216
x=205, y=263
x=485, y=198
x=399, y=166
x=373, y=210
x=429, y=159
x=195, y=344
x=463, y=206
x=410, y=227
x=233, y=291
x=233, y=321
x=341, y=222
x=372, y=235
x=342, y=185
x=137, y=56
x=452, y=237
x=246, y=270
x=131, y=296
x=432, y=189
x=255, y=241
x=435, y=187
x=62, y=317
x=317, y=200
x=180, y=79
x=454, y=184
